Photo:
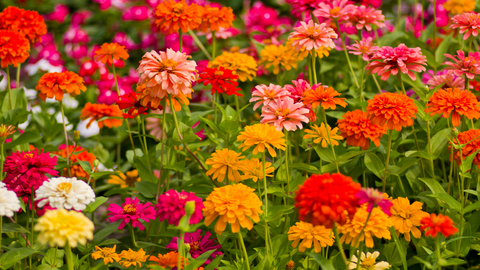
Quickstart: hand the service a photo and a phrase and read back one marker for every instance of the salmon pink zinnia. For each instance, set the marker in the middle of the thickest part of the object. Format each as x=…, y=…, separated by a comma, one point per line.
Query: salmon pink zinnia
x=337, y=9
x=467, y=22
x=365, y=47
x=266, y=94
x=363, y=16
x=312, y=36
x=285, y=114
x=470, y=66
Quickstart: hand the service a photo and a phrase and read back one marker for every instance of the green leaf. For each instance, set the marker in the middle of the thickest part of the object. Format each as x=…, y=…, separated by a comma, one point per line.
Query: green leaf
x=374, y=164
x=53, y=257
x=433, y=185
x=109, y=242
x=350, y=155
x=324, y=263
x=452, y=261
x=421, y=154
x=97, y=175
x=306, y=168
x=14, y=255
x=213, y=126
x=28, y=136
x=278, y=211
x=439, y=141
x=144, y=172
x=449, y=200
x=94, y=205
x=100, y=235
x=471, y=207
x=193, y=264
x=229, y=125
x=324, y=153
x=19, y=100
x=467, y=163
x=277, y=191
x=214, y=263
x=147, y=189
x=443, y=48
x=13, y=227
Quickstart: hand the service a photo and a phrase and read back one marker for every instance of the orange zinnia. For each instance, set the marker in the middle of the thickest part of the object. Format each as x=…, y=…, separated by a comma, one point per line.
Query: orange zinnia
x=154, y=102
x=54, y=85
x=26, y=22
x=395, y=110
x=454, y=101
x=171, y=16
x=472, y=140
x=359, y=130
x=14, y=48
x=110, y=51
x=324, y=96
x=213, y=18
x=79, y=154
x=168, y=260
x=99, y=111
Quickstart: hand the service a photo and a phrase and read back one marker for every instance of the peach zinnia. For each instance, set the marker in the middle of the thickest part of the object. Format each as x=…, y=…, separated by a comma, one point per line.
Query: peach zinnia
x=285, y=114
x=98, y=111
x=26, y=22
x=470, y=65
x=312, y=36
x=264, y=95
x=394, y=110
x=14, y=48
x=213, y=18
x=171, y=16
x=110, y=52
x=336, y=9
x=357, y=128
x=54, y=85
x=455, y=102
x=324, y=96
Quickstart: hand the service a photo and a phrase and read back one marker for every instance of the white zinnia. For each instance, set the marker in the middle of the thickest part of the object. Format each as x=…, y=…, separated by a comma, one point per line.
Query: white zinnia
x=368, y=262
x=67, y=193
x=9, y=202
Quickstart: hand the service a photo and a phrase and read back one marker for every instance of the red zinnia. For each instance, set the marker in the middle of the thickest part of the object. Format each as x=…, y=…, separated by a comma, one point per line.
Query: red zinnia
x=434, y=224
x=26, y=22
x=14, y=48
x=327, y=199
x=222, y=80
x=131, y=102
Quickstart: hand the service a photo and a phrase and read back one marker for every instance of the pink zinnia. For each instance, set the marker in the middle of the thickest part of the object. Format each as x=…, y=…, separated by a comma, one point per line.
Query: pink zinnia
x=337, y=9
x=470, y=66
x=167, y=73
x=374, y=198
x=131, y=211
x=297, y=89
x=467, y=22
x=447, y=79
x=363, y=16
x=365, y=47
x=266, y=94
x=285, y=114
x=171, y=207
x=312, y=36
x=389, y=61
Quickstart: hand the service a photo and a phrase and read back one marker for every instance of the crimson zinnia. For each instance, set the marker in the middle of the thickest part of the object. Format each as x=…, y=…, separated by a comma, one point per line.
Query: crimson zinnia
x=434, y=224
x=222, y=80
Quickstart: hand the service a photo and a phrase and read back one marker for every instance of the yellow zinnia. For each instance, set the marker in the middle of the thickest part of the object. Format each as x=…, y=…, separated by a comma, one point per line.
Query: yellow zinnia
x=459, y=6
x=253, y=169
x=278, y=56
x=131, y=257
x=262, y=136
x=127, y=179
x=235, y=204
x=107, y=254
x=406, y=217
x=59, y=226
x=225, y=162
x=320, y=135
x=242, y=65
x=318, y=235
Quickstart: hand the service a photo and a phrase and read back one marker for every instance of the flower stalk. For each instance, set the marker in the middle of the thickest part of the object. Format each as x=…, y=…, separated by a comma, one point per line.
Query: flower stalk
x=389, y=146
x=9, y=87
x=68, y=256
x=346, y=54
x=245, y=254
x=66, y=138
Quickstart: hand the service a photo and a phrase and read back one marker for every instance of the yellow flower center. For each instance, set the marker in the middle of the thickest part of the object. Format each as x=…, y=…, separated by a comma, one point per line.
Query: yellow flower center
x=270, y=93
x=177, y=9
x=282, y=112
x=195, y=246
x=335, y=11
x=168, y=64
x=368, y=262
x=28, y=155
x=218, y=73
x=129, y=209
x=64, y=187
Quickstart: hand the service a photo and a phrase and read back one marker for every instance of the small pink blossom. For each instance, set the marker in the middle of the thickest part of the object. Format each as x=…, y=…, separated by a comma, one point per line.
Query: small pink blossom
x=312, y=36
x=75, y=35
x=374, y=198
x=285, y=114
x=363, y=16
x=336, y=9
x=123, y=39
x=365, y=47
x=131, y=211
x=467, y=22
x=303, y=7
x=297, y=89
x=266, y=94
x=470, y=66
x=60, y=12
x=136, y=13
x=171, y=207
x=79, y=17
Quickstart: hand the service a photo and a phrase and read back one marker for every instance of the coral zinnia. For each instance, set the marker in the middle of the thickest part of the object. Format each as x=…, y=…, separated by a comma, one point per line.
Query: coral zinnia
x=470, y=66
x=26, y=22
x=77, y=154
x=213, y=18
x=54, y=85
x=298, y=89
x=131, y=211
x=131, y=257
x=357, y=128
x=253, y=169
x=336, y=9
x=134, y=105
x=434, y=224
x=14, y=48
x=262, y=136
x=327, y=199
x=107, y=254
x=467, y=22
x=394, y=110
x=265, y=95
x=377, y=226
x=364, y=16
x=236, y=204
x=406, y=217
x=308, y=234
x=127, y=179
x=110, y=53
x=459, y=6
x=389, y=61
x=222, y=80
x=472, y=140
x=278, y=56
x=364, y=47
x=242, y=65
x=312, y=36
x=171, y=16
x=225, y=162
x=95, y=112
x=324, y=96
x=199, y=244
x=167, y=261
x=455, y=102
x=171, y=207
x=320, y=135
x=285, y=114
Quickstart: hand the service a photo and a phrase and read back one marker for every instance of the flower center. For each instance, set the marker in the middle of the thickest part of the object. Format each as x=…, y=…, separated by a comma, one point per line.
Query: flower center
x=167, y=64
x=28, y=155
x=64, y=187
x=218, y=73
x=368, y=262
x=177, y=9
x=282, y=112
x=129, y=209
x=270, y=94
x=335, y=11
x=195, y=246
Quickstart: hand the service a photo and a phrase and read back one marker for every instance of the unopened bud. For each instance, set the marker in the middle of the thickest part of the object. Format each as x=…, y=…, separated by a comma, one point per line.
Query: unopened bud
x=290, y=265
x=190, y=208
x=455, y=131
x=96, y=162
x=187, y=247
x=76, y=136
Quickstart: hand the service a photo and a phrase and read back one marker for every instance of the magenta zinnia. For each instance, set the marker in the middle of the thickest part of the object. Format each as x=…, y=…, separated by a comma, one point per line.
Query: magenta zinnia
x=374, y=198
x=285, y=114
x=199, y=244
x=131, y=211
x=171, y=207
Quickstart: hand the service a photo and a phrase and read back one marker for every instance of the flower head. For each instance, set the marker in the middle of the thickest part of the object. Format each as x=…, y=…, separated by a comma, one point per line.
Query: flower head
x=9, y=202
x=76, y=154
x=285, y=114
x=434, y=224
x=107, y=254
x=303, y=53
x=324, y=96
x=27, y=23
x=298, y=89
x=459, y=6
x=110, y=53
x=14, y=48
x=134, y=105
x=253, y=169
x=236, y=204
x=374, y=198
x=312, y=36
x=470, y=66
x=131, y=211
x=222, y=80
x=267, y=94
x=278, y=56
x=54, y=85
x=393, y=110
x=225, y=162
x=171, y=207
x=213, y=18
x=171, y=16
x=167, y=261
x=321, y=136
x=6, y=131
x=127, y=179
x=130, y=257
x=262, y=136
x=242, y=65
x=59, y=226
x=95, y=112
x=445, y=79
x=357, y=128
x=149, y=99
x=308, y=234
x=471, y=139
x=365, y=16
x=368, y=262
x=336, y=9
x=364, y=47
x=67, y=193
x=199, y=244
x=406, y=217
x=327, y=199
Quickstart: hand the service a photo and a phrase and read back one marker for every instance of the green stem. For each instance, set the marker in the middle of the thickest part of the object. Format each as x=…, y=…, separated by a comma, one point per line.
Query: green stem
x=430, y=150
x=330, y=139
x=132, y=234
x=355, y=243
x=390, y=132
x=244, y=249
x=215, y=99
x=162, y=150
x=287, y=158
x=466, y=82
x=180, y=40
x=237, y=104
x=214, y=44
x=180, y=251
x=1, y=224
x=66, y=137
x=399, y=248
x=377, y=84
x=32, y=198
x=314, y=72
x=145, y=141
x=199, y=44
x=9, y=87
x=418, y=149
x=399, y=76
x=438, y=252
x=68, y=256
x=265, y=184
x=362, y=84
x=339, y=244
x=399, y=13
x=1, y=160
x=98, y=139
x=346, y=54
x=310, y=76
x=18, y=75
x=434, y=41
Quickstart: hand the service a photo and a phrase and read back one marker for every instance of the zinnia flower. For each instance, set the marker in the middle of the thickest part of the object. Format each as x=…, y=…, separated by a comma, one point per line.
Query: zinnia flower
x=262, y=136
x=278, y=56
x=336, y=9
x=470, y=66
x=459, y=6
x=312, y=36
x=167, y=261
x=320, y=135
x=9, y=202
x=357, y=128
x=365, y=16
x=110, y=53
x=131, y=257
x=236, y=204
x=374, y=198
x=147, y=99
x=406, y=217
x=298, y=89
x=213, y=18
x=127, y=179
x=467, y=22
x=54, y=85
x=76, y=154
x=171, y=207
x=264, y=95
x=377, y=226
x=131, y=211
x=27, y=23
x=434, y=224
x=364, y=47
x=253, y=169
x=394, y=110
x=324, y=96
x=107, y=254
x=199, y=244
x=285, y=114
x=14, y=48
x=171, y=16
x=95, y=112
x=6, y=131
x=242, y=65
x=471, y=139
x=131, y=102
x=303, y=53
x=222, y=80
x=455, y=102
x=445, y=79
x=308, y=234
x=67, y=193
x=327, y=199
x=368, y=262
x=389, y=61
x=225, y=162
x=60, y=226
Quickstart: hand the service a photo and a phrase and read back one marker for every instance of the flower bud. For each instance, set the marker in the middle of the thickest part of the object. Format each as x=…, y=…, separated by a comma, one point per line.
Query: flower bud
x=190, y=208
x=455, y=131
x=187, y=247
x=76, y=136
x=96, y=162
